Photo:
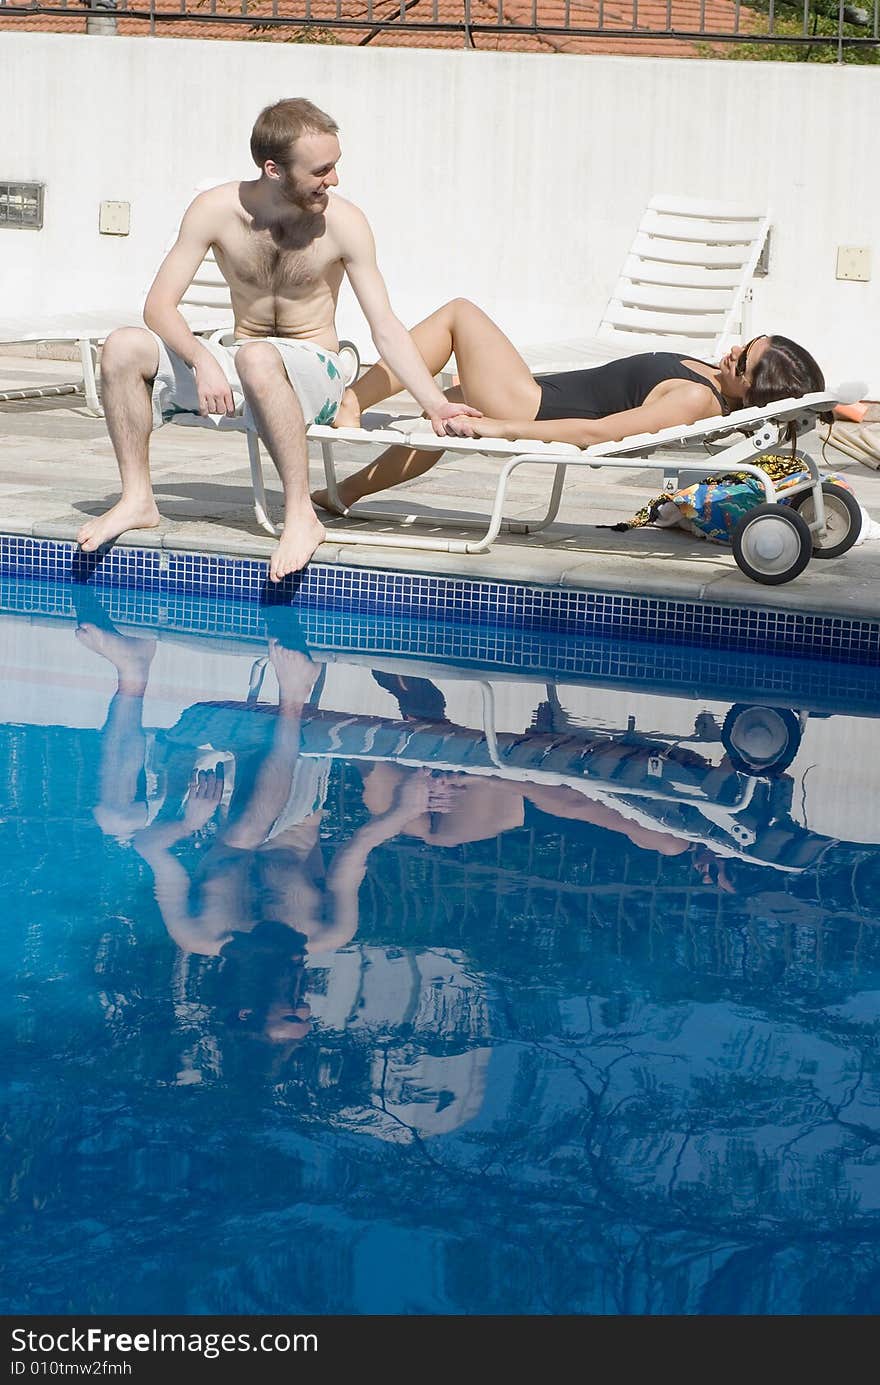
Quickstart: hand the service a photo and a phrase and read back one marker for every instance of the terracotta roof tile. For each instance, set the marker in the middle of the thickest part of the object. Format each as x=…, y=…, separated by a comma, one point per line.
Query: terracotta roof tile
x=652, y=17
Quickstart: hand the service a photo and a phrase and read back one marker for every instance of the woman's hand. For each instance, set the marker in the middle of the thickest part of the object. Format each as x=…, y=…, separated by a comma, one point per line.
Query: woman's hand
x=454, y=420
x=482, y=427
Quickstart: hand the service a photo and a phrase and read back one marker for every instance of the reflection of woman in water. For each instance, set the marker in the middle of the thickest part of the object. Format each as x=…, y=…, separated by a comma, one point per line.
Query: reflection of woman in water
x=477, y=807
x=258, y=893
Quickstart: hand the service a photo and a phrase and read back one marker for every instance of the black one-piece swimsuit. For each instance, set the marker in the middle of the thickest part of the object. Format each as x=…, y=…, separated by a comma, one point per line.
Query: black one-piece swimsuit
x=614, y=387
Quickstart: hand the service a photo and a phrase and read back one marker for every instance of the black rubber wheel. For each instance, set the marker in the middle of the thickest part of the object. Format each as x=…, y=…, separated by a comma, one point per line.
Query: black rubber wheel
x=760, y=740
x=843, y=519
x=351, y=361
x=772, y=544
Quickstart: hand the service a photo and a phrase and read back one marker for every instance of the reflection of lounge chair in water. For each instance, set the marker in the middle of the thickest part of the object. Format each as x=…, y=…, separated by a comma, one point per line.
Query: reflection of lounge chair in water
x=660, y=787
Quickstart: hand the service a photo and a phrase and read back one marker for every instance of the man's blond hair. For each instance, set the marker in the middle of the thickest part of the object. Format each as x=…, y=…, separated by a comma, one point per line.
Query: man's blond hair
x=279, y=126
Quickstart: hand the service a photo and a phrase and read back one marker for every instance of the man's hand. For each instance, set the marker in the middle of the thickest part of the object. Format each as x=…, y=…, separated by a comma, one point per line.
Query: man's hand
x=451, y=420
x=203, y=798
x=422, y=792
x=215, y=391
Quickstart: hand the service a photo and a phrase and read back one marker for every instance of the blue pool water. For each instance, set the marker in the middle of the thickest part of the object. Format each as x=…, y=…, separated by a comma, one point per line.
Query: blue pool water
x=342, y=980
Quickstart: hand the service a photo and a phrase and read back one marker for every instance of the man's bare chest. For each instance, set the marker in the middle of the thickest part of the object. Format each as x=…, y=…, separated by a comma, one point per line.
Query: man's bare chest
x=274, y=263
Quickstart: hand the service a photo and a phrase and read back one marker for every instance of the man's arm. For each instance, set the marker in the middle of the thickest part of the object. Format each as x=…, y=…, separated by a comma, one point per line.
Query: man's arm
x=170, y=284
x=392, y=340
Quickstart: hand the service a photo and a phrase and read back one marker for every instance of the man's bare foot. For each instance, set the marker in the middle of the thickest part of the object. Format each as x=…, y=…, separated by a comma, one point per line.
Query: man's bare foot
x=348, y=415
x=299, y=539
x=125, y=514
x=130, y=655
x=296, y=674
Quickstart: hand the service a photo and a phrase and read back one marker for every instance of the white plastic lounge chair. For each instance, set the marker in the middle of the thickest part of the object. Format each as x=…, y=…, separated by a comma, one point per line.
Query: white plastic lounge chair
x=772, y=544
x=685, y=285
x=206, y=305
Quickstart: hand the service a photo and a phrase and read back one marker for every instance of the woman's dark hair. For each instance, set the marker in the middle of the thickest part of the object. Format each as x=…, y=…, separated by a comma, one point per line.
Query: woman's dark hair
x=785, y=371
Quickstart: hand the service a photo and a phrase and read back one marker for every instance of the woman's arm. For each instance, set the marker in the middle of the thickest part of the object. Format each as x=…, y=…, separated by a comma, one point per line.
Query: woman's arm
x=679, y=406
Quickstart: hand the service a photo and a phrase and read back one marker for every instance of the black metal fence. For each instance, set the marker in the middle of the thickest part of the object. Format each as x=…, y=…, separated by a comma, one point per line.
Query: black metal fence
x=796, y=28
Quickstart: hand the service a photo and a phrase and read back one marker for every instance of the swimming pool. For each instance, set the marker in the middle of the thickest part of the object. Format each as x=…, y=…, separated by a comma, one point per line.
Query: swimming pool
x=358, y=969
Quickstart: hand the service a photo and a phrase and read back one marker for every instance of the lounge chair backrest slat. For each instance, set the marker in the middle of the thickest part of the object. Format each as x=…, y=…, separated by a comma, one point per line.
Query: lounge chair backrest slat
x=209, y=274
x=689, y=251
x=638, y=320
x=689, y=228
x=636, y=269
x=672, y=298
x=713, y=277
x=686, y=277
x=206, y=298
x=675, y=205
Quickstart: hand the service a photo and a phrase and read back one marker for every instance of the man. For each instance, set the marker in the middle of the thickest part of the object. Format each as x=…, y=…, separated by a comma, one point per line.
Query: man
x=283, y=244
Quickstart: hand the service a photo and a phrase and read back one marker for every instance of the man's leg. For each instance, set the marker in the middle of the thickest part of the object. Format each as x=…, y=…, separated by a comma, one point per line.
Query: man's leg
x=129, y=363
x=119, y=810
x=281, y=426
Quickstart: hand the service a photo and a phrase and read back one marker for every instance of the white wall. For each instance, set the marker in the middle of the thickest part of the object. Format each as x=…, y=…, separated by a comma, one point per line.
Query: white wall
x=515, y=179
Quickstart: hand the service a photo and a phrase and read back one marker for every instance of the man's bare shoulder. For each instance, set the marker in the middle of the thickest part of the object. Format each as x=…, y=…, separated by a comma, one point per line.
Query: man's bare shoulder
x=217, y=202
x=345, y=220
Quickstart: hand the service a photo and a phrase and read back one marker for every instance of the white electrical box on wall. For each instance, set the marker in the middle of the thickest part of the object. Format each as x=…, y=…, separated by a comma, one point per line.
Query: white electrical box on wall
x=854, y=262
x=114, y=218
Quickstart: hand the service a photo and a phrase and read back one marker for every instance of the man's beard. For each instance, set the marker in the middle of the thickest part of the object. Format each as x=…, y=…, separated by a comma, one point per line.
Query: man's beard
x=296, y=196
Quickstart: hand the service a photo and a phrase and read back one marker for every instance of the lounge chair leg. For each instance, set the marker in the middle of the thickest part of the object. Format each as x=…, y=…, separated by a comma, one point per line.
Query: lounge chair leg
x=330, y=477
x=260, y=506
x=533, y=527
x=88, y=354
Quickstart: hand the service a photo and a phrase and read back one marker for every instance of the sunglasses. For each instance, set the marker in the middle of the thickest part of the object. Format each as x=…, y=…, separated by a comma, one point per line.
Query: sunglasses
x=743, y=358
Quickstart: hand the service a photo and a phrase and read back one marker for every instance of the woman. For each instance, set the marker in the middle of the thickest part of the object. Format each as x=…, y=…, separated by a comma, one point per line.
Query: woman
x=639, y=394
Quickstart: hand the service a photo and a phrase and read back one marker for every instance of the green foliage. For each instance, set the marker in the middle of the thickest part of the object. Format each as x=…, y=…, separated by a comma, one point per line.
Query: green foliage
x=823, y=19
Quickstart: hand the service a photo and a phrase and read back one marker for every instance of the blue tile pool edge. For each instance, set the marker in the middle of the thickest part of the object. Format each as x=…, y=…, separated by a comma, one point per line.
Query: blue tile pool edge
x=452, y=600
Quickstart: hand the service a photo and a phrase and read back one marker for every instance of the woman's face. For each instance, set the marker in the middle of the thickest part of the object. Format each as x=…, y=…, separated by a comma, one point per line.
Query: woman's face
x=737, y=369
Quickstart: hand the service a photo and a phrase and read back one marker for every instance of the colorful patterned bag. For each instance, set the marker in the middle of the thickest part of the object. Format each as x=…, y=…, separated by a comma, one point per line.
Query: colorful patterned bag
x=712, y=508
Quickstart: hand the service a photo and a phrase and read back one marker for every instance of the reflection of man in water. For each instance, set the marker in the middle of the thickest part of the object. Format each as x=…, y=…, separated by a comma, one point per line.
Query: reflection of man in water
x=260, y=895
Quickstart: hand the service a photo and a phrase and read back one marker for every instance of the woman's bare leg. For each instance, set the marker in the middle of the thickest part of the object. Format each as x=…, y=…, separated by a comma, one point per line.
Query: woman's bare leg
x=494, y=379
x=394, y=466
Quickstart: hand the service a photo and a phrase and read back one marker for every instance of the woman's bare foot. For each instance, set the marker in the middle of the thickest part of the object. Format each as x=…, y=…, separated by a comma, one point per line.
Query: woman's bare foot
x=125, y=514
x=322, y=500
x=300, y=537
x=348, y=415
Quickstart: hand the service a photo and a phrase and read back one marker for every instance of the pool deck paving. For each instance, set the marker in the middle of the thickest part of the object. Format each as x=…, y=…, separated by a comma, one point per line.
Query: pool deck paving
x=57, y=468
